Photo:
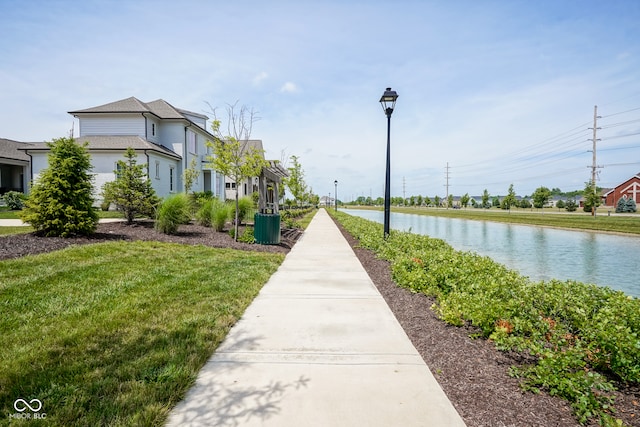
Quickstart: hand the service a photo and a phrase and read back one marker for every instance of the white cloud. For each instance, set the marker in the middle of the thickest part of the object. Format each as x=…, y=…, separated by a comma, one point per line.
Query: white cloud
x=289, y=87
x=257, y=80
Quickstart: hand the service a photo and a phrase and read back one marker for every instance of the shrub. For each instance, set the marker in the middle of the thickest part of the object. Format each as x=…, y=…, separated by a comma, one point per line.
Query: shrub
x=173, y=211
x=247, y=235
x=219, y=215
x=203, y=215
x=61, y=201
x=14, y=200
x=245, y=204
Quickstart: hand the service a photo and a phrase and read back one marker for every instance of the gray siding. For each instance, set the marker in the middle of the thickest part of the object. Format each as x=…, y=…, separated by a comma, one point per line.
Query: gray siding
x=112, y=125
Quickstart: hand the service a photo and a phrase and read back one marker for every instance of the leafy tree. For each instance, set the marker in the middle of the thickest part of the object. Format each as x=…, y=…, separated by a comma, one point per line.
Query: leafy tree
x=591, y=197
x=61, y=201
x=541, y=197
x=295, y=181
x=495, y=202
x=485, y=199
x=464, y=200
x=419, y=200
x=525, y=203
x=437, y=201
x=191, y=175
x=427, y=200
x=131, y=191
x=232, y=155
x=450, y=201
x=510, y=199
x=560, y=204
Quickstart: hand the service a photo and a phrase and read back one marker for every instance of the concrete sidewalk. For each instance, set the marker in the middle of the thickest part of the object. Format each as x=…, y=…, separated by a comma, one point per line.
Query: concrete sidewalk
x=318, y=347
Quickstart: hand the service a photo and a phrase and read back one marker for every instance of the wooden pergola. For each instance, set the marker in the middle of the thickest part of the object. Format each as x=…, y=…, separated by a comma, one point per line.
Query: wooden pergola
x=268, y=184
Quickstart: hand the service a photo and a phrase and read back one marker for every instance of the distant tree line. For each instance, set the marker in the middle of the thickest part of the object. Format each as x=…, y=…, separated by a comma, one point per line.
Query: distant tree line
x=538, y=199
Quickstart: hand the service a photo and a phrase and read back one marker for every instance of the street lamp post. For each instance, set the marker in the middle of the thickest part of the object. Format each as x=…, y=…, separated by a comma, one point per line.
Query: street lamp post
x=388, y=102
x=336, y=193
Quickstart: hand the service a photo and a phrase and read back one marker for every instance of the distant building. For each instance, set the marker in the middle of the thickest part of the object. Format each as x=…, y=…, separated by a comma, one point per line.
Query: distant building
x=14, y=166
x=629, y=189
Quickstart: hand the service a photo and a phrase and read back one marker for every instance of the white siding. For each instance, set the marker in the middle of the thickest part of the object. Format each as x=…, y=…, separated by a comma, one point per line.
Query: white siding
x=112, y=125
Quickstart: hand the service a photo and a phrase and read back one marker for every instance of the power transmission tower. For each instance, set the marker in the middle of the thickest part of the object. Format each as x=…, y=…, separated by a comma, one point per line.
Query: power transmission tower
x=594, y=165
x=446, y=176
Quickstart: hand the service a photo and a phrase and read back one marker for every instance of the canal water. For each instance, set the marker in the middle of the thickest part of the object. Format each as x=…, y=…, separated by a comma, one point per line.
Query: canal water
x=538, y=252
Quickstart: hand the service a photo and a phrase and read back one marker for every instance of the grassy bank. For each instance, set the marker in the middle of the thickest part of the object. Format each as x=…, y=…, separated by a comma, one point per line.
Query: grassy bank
x=115, y=334
x=550, y=218
x=582, y=339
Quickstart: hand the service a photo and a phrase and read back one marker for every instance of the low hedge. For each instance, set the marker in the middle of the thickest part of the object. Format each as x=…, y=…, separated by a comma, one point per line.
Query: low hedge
x=585, y=338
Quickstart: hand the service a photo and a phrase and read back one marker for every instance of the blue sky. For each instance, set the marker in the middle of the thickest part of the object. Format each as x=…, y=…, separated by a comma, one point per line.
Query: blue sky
x=503, y=91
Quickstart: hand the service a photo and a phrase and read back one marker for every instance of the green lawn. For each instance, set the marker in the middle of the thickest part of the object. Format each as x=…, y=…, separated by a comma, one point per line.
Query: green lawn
x=4, y=231
x=550, y=218
x=9, y=214
x=115, y=334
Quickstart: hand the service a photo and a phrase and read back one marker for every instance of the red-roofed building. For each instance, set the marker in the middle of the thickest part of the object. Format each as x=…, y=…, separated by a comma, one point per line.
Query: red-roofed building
x=629, y=189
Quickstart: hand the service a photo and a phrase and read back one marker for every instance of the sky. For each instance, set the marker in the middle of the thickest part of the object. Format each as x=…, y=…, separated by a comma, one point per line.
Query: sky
x=491, y=92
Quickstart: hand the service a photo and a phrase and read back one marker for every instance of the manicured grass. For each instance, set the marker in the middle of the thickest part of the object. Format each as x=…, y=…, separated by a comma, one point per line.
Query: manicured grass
x=550, y=218
x=306, y=219
x=115, y=334
x=5, y=231
x=9, y=214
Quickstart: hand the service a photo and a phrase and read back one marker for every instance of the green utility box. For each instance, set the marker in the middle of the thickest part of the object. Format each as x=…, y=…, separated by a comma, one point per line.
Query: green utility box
x=266, y=228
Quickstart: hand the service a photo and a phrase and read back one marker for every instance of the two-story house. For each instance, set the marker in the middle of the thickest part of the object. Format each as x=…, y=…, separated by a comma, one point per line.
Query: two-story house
x=167, y=140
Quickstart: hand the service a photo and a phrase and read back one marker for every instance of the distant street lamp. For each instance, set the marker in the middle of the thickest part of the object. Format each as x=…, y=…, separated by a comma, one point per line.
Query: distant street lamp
x=388, y=102
x=336, y=193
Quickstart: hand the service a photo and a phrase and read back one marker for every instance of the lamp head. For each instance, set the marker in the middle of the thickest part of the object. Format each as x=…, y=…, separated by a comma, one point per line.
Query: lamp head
x=388, y=101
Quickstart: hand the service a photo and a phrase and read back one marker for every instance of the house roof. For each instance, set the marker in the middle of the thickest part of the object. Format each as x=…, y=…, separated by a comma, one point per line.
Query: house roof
x=115, y=143
x=159, y=107
x=637, y=176
x=10, y=149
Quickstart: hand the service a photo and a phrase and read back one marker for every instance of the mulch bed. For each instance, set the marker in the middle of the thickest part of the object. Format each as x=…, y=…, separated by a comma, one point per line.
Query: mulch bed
x=472, y=373
x=18, y=245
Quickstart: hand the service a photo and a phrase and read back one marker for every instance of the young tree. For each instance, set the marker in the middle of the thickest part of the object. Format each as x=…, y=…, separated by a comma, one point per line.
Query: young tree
x=450, y=201
x=131, y=191
x=541, y=197
x=295, y=181
x=510, y=199
x=232, y=155
x=464, y=200
x=61, y=201
x=591, y=197
x=485, y=199
x=571, y=205
x=191, y=174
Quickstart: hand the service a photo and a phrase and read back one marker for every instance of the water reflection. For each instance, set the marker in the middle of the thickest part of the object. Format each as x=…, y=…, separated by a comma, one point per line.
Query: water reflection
x=538, y=252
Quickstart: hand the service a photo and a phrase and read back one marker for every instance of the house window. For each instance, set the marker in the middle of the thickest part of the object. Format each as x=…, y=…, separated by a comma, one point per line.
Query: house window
x=118, y=170
x=153, y=129
x=230, y=185
x=171, y=178
x=157, y=169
